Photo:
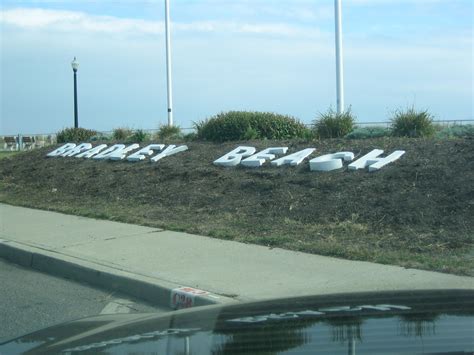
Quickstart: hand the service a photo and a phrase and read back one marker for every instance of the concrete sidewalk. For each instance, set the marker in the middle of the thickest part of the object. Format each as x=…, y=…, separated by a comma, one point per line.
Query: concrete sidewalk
x=150, y=263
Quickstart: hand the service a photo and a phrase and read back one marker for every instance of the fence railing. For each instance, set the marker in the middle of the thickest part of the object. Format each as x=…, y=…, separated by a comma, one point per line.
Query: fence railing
x=22, y=141
x=444, y=123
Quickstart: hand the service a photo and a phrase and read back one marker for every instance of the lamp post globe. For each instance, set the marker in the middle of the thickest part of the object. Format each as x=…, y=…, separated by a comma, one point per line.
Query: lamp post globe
x=75, y=66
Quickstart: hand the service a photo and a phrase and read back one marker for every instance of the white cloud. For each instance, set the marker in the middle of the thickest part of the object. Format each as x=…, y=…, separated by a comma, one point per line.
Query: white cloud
x=316, y=12
x=234, y=27
x=68, y=21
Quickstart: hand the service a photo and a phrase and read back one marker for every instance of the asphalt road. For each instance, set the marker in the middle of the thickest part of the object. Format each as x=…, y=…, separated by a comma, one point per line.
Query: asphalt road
x=30, y=300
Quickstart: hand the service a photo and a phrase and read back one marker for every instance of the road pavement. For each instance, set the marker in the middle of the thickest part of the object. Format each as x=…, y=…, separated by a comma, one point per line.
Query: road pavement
x=31, y=300
x=152, y=264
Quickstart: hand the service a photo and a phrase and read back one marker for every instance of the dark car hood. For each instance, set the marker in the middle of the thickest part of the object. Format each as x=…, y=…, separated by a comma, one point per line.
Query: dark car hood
x=399, y=322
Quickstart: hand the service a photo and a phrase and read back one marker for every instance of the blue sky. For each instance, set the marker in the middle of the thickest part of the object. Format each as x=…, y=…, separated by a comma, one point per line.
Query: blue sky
x=229, y=55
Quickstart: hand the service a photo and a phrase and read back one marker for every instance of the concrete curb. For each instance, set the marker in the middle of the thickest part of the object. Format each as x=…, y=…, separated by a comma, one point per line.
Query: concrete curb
x=154, y=291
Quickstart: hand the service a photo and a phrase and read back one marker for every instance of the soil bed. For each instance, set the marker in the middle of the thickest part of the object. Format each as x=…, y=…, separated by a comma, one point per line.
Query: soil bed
x=416, y=212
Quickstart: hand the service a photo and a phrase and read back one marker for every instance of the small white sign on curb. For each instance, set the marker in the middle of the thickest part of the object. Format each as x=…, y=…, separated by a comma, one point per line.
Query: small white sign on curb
x=183, y=297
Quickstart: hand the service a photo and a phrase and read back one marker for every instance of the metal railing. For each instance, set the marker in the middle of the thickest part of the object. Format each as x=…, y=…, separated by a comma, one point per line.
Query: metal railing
x=387, y=124
x=443, y=123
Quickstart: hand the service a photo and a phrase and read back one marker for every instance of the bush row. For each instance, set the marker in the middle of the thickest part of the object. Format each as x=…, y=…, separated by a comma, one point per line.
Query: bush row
x=404, y=123
x=122, y=134
x=237, y=125
x=247, y=125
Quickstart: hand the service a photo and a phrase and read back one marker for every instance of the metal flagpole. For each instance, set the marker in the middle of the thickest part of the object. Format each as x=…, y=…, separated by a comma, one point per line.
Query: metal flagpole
x=339, y=57
x=168, y=63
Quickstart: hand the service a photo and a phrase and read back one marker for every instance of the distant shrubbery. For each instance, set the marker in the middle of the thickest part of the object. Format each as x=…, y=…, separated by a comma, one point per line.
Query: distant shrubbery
x=248, y=125
x=369, y=132
x=189, y=137
x=412, y=123
x=124, y=134
x=75, y=135
x=168, y=132
x=138, y=136
x=334, y=125
x=245, y=125
x=99, y=138
x=456, y=131
x=121, y=133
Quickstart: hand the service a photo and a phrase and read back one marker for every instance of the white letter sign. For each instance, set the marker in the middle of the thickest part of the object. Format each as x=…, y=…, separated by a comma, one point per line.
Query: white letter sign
x=244, y=155
x=79, y=149
x=144, y=152
x=61, y=150
x=363, y=162
x=116, y=152
x=90, y=153
x=295, y=158
x=373, y=161
x=120, y=154
x=330, y=162
x=106, y=153
x=170, y=150
x=234, y=157
x=381, y=162
x=261, y=157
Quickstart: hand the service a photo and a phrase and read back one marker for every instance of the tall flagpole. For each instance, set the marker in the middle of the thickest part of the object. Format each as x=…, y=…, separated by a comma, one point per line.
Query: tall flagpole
x=339, y=57
x=168, y=63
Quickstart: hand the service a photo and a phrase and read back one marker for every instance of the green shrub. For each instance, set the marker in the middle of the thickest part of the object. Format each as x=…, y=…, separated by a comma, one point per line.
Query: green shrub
x=167, y=132
x=369, y=132
x=138, y=136
x=189, y=137
x=456, y=131
x=99, y=138
x=309, y=134
x=251, y=133
x=245, y=125
x=121, y=133
x=74, y=135
x=334, y=125
x=412, y=123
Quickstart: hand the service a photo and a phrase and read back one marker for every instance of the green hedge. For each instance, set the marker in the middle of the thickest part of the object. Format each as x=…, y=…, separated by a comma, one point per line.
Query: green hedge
x=246, y=125
x=75, y=135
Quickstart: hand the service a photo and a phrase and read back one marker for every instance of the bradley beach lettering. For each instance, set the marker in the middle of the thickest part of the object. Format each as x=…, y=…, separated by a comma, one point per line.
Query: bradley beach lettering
x=243, y=155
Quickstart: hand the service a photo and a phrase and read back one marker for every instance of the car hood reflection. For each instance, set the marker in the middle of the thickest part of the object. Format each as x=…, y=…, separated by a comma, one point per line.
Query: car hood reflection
x=367, y=323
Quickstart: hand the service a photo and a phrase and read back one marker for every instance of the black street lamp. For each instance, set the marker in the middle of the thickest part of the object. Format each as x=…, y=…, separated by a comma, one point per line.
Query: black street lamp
x=75, y=66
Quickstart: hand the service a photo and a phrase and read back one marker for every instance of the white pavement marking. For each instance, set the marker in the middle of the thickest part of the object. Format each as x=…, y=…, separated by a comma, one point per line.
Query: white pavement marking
x=118, y=305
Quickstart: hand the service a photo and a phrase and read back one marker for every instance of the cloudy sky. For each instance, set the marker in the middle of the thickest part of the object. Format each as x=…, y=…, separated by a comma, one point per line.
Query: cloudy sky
x=263, y=55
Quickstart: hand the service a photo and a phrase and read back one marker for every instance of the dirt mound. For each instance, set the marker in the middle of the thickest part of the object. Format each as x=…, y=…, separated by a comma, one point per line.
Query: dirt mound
x=415, y=212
